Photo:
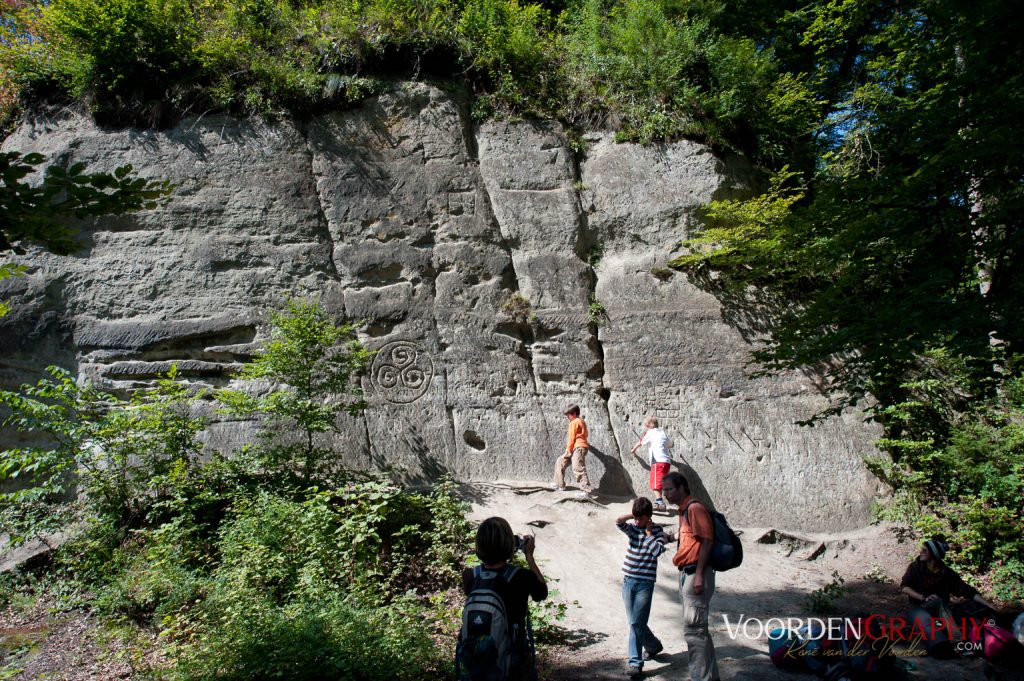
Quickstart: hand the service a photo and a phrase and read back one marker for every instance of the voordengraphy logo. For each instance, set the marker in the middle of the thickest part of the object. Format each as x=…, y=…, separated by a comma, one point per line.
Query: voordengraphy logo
x=872, y=627
x=756, y=628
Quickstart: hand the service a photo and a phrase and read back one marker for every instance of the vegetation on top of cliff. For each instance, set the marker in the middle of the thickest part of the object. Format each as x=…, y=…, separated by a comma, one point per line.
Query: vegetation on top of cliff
x=652, y=70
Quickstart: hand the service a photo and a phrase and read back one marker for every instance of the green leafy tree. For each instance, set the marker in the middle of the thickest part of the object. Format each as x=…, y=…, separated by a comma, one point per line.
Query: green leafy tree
x=309, y=362
x=967, y=484
x=884, y=254
x=100, y=457
x=902, y=232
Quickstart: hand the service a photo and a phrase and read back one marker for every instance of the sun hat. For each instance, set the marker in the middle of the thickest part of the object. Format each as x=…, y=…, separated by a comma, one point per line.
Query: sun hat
x=937, y=548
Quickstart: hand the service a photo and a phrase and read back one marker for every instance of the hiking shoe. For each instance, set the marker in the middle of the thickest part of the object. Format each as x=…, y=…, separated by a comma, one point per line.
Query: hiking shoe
x=659, y=505
x=651, y=654
x=634, y=671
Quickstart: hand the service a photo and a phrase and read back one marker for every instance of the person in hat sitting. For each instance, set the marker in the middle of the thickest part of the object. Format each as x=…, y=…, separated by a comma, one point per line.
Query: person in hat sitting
x=929, y=583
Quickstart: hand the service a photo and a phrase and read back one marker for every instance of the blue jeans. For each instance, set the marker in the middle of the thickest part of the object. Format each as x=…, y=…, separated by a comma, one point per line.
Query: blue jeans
x=636, y=596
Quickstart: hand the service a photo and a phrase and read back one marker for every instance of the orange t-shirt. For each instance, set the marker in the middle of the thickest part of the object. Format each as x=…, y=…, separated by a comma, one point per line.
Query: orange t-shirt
x=700, y=528
x=577, y=434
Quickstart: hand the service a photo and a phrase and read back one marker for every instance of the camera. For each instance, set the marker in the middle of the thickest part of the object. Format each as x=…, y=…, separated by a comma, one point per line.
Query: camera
x=520, y=542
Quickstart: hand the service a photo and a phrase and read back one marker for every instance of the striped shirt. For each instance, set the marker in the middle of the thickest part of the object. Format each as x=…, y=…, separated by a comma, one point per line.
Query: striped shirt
x=642, y=555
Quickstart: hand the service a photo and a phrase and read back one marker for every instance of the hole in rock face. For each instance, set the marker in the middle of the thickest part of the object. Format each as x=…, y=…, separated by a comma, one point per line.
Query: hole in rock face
x=381, y=275
x=474, y=440
x=379, y=328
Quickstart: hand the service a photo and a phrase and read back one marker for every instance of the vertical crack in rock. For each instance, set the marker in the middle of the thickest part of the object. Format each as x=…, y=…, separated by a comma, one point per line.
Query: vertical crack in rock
x=323, y=224
x=589, y=241
x=527, y=354
x=452, y=451
x=374, y=459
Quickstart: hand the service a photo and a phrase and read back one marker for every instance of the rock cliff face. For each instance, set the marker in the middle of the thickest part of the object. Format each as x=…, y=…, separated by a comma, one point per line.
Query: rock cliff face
x=405, y=215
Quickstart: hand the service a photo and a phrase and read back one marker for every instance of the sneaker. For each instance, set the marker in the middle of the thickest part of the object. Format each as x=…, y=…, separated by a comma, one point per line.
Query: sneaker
x=556, y=488
x=634, y=671
x=659, y=505
x=584, y=496
x=651, y=654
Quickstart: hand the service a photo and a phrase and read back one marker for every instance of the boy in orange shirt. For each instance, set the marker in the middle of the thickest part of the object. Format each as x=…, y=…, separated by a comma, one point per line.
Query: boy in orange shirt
x=576, y=447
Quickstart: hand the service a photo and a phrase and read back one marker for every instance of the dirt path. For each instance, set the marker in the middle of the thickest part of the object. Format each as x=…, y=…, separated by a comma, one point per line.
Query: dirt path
x=580, y=552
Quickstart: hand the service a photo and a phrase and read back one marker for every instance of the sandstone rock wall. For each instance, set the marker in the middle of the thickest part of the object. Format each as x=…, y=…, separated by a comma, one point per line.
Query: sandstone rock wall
x=405, y=215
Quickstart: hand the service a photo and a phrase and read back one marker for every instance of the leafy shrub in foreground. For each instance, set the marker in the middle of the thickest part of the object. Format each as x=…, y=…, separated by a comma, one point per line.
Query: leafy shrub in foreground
x=310, y=360
x=246, y=571
x=330, y=585
x=246, y=635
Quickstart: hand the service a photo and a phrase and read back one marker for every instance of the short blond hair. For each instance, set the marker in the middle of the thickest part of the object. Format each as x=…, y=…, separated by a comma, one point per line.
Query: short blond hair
x=651, y=421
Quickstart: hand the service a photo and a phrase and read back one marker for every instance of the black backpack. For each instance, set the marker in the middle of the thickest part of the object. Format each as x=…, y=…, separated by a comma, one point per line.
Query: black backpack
x=727, y=551
x=484, y=652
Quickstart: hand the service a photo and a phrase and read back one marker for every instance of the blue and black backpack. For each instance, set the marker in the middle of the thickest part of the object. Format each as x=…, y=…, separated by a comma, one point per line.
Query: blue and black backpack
x=726, y=550
x=484, y=651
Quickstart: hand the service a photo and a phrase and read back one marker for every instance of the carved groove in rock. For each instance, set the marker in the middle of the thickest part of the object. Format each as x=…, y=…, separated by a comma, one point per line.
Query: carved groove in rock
x=401, y=372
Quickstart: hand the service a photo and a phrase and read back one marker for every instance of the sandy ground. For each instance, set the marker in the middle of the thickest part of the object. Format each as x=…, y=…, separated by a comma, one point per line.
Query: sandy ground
x=580, y=552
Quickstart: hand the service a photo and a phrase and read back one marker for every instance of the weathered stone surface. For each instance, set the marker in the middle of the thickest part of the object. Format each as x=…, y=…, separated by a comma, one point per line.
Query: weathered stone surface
x=402, y=214
x=668, y=351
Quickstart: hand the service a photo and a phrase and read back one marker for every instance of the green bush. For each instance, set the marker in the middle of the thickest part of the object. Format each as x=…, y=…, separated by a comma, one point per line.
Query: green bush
x=503, y=35
x=332, y=584
x=123, y=456
x=246, y=570
x=150, y=578
x=123, y=46
x=310, y=359
x=368, y=537
x=246, y=635
x=660, y=70
x=967, y=485
x=651, y=71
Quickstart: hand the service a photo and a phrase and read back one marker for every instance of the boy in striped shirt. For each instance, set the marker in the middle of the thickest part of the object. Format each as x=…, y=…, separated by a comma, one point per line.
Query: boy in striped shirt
x=646, y=543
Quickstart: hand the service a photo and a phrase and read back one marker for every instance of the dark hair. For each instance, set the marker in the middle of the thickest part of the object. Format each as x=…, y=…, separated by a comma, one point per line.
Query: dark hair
x=573, y=409
x=678, y=480
x=494, y=540
x=642, y=506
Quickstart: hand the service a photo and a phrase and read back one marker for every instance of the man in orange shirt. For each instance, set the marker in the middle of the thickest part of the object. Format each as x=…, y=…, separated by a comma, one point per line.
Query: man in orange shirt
x=576, y=448
x=696, y=576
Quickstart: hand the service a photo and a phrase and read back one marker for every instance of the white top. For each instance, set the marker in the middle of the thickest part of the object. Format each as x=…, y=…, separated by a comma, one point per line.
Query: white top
x=659, y=444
